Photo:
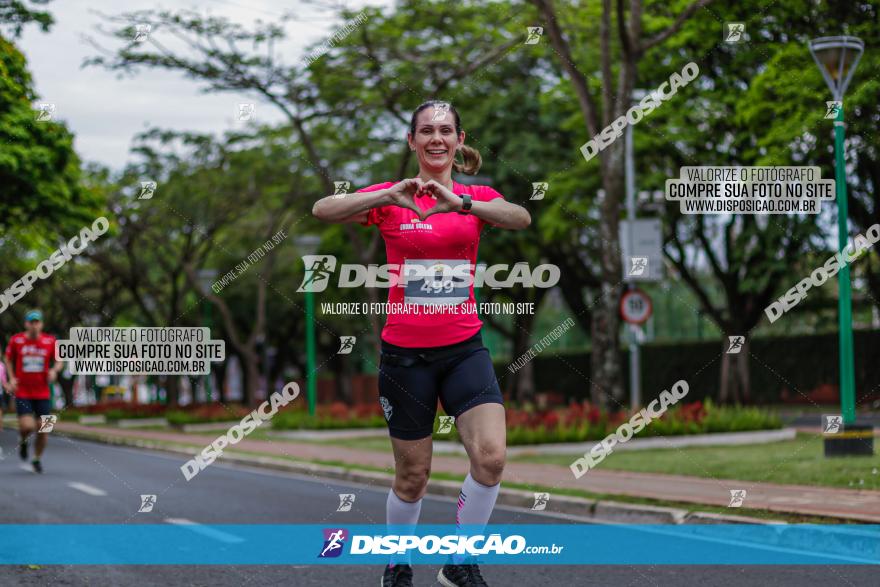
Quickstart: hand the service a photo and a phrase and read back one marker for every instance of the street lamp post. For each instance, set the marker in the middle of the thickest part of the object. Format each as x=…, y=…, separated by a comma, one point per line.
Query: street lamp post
x=837, y=58
x=307, y=245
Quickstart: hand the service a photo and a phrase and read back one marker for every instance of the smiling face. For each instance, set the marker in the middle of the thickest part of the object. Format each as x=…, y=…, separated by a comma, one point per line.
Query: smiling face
x=435, y=141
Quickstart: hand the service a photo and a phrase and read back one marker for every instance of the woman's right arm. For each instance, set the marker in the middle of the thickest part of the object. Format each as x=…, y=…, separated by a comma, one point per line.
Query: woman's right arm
x=353, y=207
x=356, y=207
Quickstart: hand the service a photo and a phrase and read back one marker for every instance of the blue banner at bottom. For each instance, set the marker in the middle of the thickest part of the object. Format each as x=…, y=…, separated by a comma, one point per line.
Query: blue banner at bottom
x=521, y=544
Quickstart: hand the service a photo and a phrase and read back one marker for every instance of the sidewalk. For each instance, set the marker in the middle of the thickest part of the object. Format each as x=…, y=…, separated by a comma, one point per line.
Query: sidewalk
x=849, y=504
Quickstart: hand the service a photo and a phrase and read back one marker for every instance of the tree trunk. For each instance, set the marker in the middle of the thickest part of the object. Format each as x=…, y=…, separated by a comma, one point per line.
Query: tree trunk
x=172, y=391
x=218, y=374
x=251, y=376
x=66, y=390
x=735, y=383
x=520, y=385
x=341, y=366
x=605, y=363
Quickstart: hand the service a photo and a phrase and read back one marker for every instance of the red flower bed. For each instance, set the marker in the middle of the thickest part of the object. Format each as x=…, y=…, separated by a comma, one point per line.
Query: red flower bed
x=217, y=411
x=576, y=414
x=143, y=410
x=343, y=412
x=693, y=412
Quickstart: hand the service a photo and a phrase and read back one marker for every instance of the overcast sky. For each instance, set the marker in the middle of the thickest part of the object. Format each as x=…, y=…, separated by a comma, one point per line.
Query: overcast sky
x=105, y=112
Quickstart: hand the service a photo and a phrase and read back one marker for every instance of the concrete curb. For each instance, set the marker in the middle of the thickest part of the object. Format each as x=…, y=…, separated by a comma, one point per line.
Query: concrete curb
x=600, y=511
x=141, y=422
x=648, y=443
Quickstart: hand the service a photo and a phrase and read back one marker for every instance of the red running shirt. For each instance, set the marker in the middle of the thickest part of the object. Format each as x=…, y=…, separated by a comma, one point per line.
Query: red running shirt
x=30, y=358
x=447, y=237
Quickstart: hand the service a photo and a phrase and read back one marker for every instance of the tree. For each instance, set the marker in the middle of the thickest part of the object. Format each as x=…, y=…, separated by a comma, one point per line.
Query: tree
x=622, y=45
x=758, y=103
x=39, y=170
x=319, y=99
x=213, y=206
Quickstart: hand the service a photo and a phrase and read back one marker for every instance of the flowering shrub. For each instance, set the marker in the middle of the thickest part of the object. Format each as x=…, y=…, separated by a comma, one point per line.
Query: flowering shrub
x=123, y=410
x=582, y=421
x=335, y=415
x=204, y=413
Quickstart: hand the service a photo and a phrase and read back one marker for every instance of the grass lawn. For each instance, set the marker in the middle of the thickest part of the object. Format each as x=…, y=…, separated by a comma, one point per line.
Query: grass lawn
x=375, y=443
x=799, y=461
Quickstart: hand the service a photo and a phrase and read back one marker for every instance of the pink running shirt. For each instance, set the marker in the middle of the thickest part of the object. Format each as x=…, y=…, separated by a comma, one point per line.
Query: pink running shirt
x=442, y=237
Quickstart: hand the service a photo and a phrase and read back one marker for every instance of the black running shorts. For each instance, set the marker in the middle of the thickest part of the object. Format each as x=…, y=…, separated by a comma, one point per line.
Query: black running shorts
x=40, y=407
x=412, y=379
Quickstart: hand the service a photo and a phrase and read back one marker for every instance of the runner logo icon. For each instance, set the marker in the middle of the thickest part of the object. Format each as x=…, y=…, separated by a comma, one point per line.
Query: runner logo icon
x=47, y=424
x=147, y=503
x=639, y=264
x=736, y=344
x=318, y=271
x=737, y=497
x=346, y=500
x=386, y=407
x=832, y=424
x=541, y=500
x=445, y=426
x=346, y=345
x=334, y=541
x=833, y=109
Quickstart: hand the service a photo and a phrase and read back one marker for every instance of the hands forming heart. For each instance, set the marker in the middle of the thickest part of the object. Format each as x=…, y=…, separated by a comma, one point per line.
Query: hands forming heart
x=404, y=192
x=446, y=200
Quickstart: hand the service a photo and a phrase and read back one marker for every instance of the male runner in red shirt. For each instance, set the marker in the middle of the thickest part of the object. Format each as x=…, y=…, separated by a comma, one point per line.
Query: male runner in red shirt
x=27, y=361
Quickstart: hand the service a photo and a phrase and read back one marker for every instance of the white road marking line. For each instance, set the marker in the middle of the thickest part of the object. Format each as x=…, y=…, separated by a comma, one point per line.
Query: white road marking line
x=25, y=467
x=205, y=531
x=86, y=488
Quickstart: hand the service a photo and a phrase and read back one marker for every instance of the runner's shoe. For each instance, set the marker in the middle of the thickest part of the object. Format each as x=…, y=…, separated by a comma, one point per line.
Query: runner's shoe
x=23, y=450
x=461, y=576
x=397, y=576
x=38, y=467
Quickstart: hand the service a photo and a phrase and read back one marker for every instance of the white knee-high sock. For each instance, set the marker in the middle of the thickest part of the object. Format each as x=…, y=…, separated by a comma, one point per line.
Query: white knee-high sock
x=401, y=517
x=475, y=504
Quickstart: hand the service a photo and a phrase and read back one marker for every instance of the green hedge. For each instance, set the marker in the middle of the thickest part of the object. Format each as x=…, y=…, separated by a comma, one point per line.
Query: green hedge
x=717, y=419
x=798, y=363
x=300, y=420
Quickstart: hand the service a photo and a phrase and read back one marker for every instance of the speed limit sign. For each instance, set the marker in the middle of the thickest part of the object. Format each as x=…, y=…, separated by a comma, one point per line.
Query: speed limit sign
x=635, y=306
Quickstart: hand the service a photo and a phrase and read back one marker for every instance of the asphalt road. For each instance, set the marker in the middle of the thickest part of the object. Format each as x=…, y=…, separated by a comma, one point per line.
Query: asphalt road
x=90, y=483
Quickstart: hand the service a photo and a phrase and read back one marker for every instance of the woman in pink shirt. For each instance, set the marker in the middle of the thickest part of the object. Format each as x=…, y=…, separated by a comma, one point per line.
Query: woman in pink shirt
x=431, y=343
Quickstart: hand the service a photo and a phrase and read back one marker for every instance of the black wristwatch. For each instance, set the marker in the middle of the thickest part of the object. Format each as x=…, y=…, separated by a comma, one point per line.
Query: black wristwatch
x=466, y=204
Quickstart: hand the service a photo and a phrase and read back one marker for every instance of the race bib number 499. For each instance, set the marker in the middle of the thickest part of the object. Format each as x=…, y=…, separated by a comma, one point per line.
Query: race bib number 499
x=436, y=281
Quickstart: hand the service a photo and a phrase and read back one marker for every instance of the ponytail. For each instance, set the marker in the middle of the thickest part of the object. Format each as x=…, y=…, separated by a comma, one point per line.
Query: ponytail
x=470, y=161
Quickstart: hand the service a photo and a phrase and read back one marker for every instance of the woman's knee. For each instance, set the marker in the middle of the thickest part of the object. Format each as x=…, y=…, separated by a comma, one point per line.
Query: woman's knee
x=488, y=461
x=411, y=481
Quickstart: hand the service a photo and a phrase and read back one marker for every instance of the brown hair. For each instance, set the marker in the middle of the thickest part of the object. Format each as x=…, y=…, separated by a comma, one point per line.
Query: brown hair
x=470, y=157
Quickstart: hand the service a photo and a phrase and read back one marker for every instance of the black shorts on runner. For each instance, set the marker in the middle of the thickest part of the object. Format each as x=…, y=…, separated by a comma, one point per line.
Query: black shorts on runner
x=412, y=379
x=40, y=407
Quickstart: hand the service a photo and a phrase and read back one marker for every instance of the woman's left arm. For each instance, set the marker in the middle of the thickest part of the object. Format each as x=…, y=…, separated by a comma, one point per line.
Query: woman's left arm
x=498, y=212
x=501, y=213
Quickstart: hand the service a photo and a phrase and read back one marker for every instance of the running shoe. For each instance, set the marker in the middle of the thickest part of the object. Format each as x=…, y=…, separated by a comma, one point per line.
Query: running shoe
x=38, y=467
x=22, y=450
x=397, y=576
x=461, y=576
